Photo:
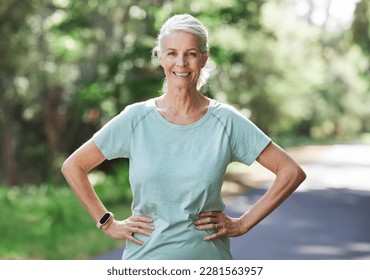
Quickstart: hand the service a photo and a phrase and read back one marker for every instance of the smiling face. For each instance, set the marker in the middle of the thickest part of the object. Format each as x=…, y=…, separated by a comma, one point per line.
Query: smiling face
x=182, y=59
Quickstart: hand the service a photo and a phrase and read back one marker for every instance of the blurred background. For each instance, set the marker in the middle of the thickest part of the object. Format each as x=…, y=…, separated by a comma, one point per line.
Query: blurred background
x=299, y=69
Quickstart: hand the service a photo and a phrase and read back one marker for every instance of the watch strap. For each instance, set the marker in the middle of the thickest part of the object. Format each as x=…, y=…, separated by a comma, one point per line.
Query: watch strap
x=104, y=219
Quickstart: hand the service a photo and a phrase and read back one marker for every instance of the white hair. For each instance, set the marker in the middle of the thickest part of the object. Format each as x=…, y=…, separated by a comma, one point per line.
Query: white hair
x=187, y=23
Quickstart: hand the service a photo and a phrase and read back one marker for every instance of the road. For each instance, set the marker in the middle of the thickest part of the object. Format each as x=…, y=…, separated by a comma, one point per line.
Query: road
x=327, y=218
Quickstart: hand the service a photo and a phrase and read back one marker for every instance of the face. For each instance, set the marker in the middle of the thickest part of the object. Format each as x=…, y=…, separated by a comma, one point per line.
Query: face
x=181, y=59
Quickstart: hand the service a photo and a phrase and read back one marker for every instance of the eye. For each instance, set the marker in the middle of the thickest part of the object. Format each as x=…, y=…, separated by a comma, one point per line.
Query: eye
x=171, y=53
x=192, y=54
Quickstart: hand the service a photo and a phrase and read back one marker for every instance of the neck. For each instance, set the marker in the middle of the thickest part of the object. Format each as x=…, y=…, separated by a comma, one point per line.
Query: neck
x=182, y=107
x=183, y=101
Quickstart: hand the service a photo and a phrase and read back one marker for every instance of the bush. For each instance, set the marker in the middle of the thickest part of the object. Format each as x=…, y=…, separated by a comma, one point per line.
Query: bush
x=48, y=222
x=114, y=187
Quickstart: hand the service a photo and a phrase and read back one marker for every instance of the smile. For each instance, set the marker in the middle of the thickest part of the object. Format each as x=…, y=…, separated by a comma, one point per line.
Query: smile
x=182, y=74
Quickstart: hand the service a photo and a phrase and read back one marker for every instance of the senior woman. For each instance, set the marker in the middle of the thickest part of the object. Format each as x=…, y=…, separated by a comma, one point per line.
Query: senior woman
x=179, y=146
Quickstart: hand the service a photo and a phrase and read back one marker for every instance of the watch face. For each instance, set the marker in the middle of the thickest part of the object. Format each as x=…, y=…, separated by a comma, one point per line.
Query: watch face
x=104, y=218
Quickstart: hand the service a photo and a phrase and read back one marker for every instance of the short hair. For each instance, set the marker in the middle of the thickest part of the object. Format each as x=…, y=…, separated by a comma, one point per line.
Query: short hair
x=187, y=23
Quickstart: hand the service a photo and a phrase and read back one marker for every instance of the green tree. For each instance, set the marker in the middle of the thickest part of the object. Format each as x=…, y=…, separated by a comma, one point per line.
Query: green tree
x=14, y=68
x=361, y=36
x=69, y=66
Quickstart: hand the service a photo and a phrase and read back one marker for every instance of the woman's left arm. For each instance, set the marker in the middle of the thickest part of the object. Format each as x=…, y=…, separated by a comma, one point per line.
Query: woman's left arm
x=289, y=175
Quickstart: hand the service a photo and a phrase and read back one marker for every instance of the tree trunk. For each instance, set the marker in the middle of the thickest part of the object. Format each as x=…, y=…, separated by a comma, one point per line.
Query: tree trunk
x=9, y=147
x=54, y=121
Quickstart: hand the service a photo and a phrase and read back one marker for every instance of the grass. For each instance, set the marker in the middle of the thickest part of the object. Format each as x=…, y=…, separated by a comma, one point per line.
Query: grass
x=46, y=222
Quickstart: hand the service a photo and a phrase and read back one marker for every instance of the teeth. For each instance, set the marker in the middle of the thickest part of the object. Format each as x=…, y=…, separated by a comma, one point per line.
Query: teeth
x=182, y=74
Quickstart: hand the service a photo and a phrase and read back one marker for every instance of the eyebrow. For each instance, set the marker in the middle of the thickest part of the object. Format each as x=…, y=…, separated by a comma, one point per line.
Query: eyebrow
x=173, y=49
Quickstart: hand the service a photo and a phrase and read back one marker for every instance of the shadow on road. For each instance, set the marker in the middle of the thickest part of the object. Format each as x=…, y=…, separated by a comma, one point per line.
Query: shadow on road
x=313, y=224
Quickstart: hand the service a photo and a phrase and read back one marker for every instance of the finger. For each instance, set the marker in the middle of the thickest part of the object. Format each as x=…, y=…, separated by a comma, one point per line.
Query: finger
x=129, y=235
x=208, y=214
x=133, y=239
x=212, y=226
x=207, y=220
x=141, y=231
x=141, y=225
x=214, y=236
x=143, y=219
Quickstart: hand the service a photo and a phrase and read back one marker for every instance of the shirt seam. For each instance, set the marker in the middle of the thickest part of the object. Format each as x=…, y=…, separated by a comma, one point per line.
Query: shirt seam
x=225, y=130
x=233, y=158
x=191, y=126
x=136, y=125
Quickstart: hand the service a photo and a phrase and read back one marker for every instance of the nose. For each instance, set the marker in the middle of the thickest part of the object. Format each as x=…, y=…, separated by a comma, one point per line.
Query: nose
x=181, y=60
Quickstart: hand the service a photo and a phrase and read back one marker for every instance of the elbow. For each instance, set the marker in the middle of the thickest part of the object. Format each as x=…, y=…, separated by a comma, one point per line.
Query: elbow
x=73, y=168
x=71, y=171
x=67, y=167
x=300, y=175
x=64, y=168
x=294, y=175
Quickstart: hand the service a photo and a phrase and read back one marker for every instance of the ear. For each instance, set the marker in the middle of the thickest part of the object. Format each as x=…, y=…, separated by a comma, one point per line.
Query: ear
x=156, y=57
x=205, y=58
x=160, y=58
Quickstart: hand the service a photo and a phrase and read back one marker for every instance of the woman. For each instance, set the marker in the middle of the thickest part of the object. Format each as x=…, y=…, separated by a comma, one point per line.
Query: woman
x=179, y=146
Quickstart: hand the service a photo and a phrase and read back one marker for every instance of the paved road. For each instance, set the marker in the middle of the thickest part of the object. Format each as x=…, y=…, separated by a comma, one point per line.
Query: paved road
x=326, y=218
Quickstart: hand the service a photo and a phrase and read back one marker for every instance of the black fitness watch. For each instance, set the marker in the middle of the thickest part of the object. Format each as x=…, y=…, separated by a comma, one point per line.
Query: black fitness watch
x=103, y=220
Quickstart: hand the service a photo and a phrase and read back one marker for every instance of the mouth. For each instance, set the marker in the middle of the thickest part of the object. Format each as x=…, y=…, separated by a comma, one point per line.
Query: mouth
x=182, y=74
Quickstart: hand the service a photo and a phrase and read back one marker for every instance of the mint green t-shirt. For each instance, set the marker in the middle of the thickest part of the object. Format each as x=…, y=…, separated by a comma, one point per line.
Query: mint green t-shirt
x=177, y=171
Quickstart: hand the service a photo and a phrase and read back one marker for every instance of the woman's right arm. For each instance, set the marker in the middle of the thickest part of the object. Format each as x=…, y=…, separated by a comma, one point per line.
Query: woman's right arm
x=75, y=169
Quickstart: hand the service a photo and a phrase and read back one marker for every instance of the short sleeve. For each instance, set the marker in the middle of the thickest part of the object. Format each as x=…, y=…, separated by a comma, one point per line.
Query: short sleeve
x=113, y=139
x=246, y=139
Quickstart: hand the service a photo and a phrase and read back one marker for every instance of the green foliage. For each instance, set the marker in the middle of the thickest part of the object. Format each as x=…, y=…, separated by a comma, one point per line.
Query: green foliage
x=361, y=26
x=114, y=187
x=45, y=222
x=69, y=66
